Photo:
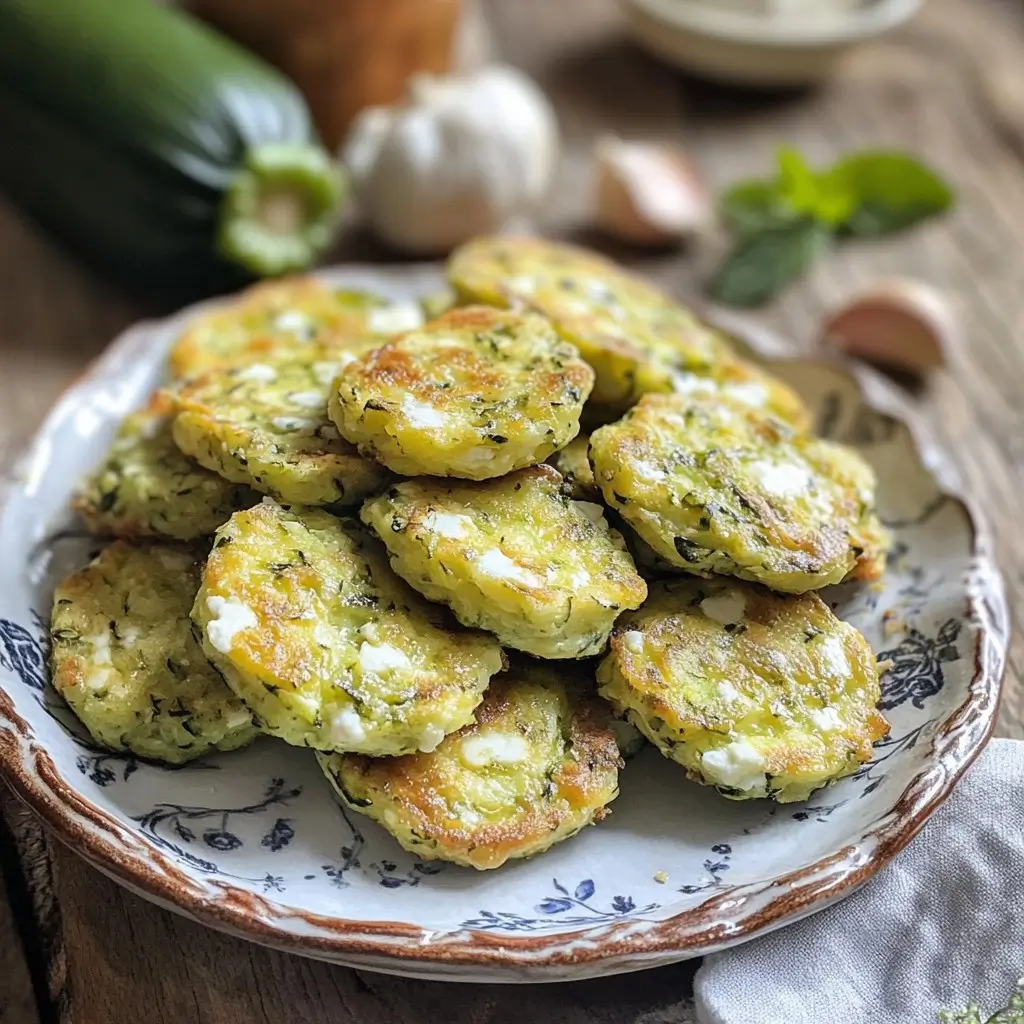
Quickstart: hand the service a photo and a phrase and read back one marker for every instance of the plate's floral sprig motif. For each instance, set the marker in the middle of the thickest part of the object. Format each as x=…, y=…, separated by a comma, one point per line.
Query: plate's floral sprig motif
x=107, y=767
x=819, y=812
x=23, y=654
x=928, y=511
x=714, y=868
x=391, y=878
x=280, y=835
x=554, y=911
x=389, y=875
x=349, y=856
x=104, y=769
x=211, y=825
x=917, y=661
x=890, y=747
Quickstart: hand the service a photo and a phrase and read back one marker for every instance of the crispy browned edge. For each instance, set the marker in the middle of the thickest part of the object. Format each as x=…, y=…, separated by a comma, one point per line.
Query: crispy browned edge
x=126, y=857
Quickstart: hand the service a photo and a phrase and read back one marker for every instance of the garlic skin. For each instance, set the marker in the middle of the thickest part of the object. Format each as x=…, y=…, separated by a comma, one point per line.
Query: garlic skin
x=899, y=323
x=457, y=159
x=649, y=194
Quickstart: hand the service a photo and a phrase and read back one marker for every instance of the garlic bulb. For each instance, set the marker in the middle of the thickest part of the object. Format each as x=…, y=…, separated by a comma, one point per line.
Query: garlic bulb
x=458, y=158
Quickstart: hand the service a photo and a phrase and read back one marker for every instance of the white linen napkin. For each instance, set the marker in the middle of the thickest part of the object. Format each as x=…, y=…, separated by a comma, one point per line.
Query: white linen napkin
x=940, y=927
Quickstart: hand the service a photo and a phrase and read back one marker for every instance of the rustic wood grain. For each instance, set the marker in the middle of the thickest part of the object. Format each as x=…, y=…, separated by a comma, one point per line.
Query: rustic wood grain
x=17, y=1000
x=947, y=87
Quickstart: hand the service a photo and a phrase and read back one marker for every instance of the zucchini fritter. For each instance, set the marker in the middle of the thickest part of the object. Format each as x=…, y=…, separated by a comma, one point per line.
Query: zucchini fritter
x=475, y=393
x=755, y=693
x=515, y=556
x=297, y=317
x=751, y=385
x=125, y=660
x=311, y=628
x=714, y=487
x=147, y=487
x=538, y=765
x=267, y=426
x=574, y=465
x=636, y=339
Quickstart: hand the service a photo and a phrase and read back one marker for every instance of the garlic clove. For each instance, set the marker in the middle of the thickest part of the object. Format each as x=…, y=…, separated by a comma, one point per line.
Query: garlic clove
x=649, y=193
x=899, y=323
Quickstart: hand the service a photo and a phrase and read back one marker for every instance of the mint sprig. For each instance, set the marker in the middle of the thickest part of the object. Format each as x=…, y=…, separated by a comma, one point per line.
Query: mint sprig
x=765, y=261
x=784, y=223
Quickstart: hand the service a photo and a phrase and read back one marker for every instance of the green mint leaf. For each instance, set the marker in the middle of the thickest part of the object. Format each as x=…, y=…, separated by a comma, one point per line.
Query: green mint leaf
x=797, y=183
x=762, y=264
x=825, y=197
x=835, y=201
x=893, y=191
x=797, y=192
x=752, y=206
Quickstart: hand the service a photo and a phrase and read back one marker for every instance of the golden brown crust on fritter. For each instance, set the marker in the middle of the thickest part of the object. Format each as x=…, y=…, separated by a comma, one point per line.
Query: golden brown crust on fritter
x=714, y=487
x=633, y=336
x=304, y=618
x=538, y=765
x=515, y=556
x=292, y=317
x=148, y=487
x=754, y=692
x=125, y=660
x=267, y=426
x=475, y=393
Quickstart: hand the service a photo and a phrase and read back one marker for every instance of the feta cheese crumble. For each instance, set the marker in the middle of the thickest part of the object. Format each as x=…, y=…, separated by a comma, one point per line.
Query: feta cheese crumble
x=497, y=564
x=393, y=319
x=448, y=524
x=381, y=658
x=294, y=423
x=739, y=765
x=230, y=617
x=422, y=414
x=430, y=738
x=486, y=748
x=826, y=719
x=833, y=654
x=308, y=399
x=633, y=640
x=347, y=728
x=726, y=609
x=783, y=479
x=257, y=372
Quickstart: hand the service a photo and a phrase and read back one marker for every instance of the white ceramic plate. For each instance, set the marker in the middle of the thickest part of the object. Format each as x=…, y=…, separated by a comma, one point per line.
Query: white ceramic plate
x=253, y=843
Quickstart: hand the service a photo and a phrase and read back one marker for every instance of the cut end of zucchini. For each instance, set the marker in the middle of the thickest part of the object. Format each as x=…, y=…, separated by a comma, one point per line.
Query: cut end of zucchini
x=280, y=213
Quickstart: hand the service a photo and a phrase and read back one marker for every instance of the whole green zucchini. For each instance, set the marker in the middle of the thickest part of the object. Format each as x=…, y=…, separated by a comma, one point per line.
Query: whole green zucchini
x=157, y=148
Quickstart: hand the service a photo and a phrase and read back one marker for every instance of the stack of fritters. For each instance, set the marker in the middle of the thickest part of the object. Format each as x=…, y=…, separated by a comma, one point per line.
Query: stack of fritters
x=416, y=650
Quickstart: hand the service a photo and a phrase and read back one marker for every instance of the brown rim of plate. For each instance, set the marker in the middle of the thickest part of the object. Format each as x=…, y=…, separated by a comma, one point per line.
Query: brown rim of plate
x=622, y=945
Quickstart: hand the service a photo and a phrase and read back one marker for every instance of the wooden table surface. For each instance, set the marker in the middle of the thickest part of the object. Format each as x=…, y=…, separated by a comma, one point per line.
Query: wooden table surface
x=76, y=948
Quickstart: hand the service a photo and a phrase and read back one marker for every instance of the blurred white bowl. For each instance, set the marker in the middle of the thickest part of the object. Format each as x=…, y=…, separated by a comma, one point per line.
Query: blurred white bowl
x=758, y=42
